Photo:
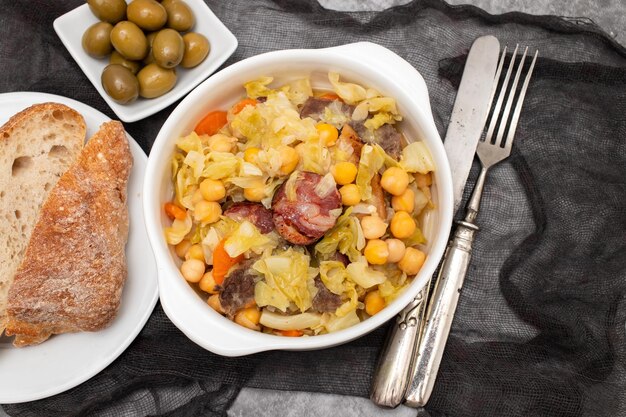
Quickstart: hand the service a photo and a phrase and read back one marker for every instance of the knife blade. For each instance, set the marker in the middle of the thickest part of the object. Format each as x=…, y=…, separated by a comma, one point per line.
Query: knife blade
x=394, y=371
x=470, y=111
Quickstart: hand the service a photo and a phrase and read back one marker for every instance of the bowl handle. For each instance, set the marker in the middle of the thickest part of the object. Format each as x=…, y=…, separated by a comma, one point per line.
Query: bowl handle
x=388, y=61
x=228, y=341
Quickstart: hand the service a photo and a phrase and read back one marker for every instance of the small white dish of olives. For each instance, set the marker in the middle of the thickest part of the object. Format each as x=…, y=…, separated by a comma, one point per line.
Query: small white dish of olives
x=143, y=55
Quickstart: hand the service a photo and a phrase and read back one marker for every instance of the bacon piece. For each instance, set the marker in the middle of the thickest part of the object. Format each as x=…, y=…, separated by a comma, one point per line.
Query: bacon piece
x=378, y=197
x=349, y=138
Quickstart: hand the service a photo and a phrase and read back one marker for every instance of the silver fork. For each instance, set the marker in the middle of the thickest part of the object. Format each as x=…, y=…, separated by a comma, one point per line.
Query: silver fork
x=445, y=296
x=491, y=152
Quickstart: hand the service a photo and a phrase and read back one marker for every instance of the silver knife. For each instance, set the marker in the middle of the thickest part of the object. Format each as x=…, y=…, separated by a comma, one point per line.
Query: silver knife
x=396, y=363
x=445, y=296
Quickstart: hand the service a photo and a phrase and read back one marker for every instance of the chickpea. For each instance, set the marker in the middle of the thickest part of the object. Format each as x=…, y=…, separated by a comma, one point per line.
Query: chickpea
x=344, y=172
x=396, y=250
x=251, y=155
x=221, y=143
x=182, y=248
x=214, y=302
x=207, y=211
x=404, y=201
x=256, y=193
x=249, y=317
x=395, y=180
x=376, y=252
x=412, y=261
x=208, y=284
x=196, y=197
x=350, y=195
x=212, y=190
x=402, y=225
x=195, y=252
x=373, y=227
x=289, y=159
x=328, y=133
x=192, y=270
x=423, y=180
x=374, y=302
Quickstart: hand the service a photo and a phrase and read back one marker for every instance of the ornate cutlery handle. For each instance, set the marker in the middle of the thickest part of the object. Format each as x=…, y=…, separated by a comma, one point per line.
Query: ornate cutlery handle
x=395, y=361
x=440, y=314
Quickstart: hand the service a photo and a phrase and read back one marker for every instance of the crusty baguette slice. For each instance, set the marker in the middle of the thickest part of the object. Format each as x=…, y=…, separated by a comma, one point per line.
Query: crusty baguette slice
x=74, y=268
x=37, y=146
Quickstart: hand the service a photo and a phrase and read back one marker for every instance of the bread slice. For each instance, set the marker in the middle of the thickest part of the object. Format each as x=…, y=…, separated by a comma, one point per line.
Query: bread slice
x=37, y=146
x=74, y=268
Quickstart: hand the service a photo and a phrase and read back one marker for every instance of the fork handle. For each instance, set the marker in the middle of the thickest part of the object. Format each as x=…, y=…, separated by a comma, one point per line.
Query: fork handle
x=440, y=314
x=396, y=360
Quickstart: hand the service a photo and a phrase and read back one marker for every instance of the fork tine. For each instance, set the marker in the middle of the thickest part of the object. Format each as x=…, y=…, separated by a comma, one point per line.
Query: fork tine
x=496, y=78
x=496, y=110
x=518, y=106
x=507, y=108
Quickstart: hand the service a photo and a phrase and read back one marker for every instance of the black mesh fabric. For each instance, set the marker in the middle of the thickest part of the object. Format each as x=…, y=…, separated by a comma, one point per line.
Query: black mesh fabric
x=539, y=329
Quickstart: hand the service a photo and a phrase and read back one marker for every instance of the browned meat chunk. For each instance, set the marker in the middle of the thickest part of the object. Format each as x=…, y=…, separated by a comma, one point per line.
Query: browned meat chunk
x=386, y=136
x=305, y=219
x=325, y=301
x=238, y=289
x=340, y=257
x=255, y=213
x=390, y=140
x=314, y=107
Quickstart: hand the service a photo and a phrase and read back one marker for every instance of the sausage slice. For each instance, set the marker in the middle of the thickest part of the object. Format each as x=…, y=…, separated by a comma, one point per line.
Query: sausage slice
x=305, y=219
x=255, y=213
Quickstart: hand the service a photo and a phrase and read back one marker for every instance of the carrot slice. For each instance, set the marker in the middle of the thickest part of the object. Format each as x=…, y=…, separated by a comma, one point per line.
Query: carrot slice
x=174, y=212
x=222, y=262
x=242, y=104
x=291, y=333
x=211, y=123
x=330, y=96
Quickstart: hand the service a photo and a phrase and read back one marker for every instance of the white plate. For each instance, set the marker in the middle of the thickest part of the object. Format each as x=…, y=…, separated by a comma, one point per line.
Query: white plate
x=66, y=360
x=71, y=26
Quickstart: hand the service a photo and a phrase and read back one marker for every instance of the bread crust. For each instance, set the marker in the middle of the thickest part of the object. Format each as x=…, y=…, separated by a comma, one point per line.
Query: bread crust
x=32, y=134
x=19, y=118
x=74, y=268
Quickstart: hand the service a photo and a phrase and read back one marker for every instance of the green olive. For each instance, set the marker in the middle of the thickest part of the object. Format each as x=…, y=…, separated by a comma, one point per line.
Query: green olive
x=117, y=58
x=120, y=84
x=97, y=40
x=166, y=3
x=179, y=16
x=155, y=81
x=196, y=49
x=168, y=48
x=147, y=14
x=149, y=59
x=111, y=11
x=129, y=41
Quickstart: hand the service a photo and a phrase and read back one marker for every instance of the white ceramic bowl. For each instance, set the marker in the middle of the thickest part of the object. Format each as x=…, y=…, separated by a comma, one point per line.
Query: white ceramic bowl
x=365, y=63
x=71, y=26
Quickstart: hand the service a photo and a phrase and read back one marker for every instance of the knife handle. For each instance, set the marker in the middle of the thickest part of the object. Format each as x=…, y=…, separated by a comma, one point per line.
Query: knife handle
x=440, y=314
x=397, y=357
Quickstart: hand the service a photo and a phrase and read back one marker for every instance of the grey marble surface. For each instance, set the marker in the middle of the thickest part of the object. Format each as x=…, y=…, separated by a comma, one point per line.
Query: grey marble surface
x=608, y=14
